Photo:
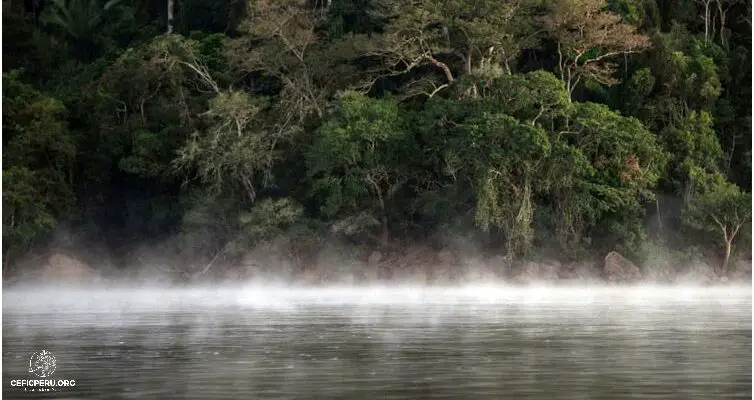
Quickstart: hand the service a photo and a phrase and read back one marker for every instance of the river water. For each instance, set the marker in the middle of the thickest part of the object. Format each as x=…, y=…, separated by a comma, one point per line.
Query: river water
x=260, y=342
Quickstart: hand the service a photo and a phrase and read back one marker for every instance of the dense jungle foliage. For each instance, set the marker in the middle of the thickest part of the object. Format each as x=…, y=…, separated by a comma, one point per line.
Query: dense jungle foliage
x=570, y=126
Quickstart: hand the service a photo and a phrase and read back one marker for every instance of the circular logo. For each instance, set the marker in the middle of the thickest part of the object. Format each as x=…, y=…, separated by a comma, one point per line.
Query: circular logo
x=42, y=364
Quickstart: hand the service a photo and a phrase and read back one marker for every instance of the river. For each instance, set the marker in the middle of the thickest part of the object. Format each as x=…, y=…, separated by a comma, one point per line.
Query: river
x=267, y=342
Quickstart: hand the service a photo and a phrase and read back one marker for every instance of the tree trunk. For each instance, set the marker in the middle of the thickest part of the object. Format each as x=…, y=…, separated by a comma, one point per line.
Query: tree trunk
x=171, y=6
x=721, y=12
x=385, y=237
x=729, y=156
x=724, y=271
x=706, y=20
x=469, y=55
x=6, y=263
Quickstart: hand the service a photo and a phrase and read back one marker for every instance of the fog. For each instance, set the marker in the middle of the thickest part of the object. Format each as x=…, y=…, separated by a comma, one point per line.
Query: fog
x=103, y=299
x=263, y=340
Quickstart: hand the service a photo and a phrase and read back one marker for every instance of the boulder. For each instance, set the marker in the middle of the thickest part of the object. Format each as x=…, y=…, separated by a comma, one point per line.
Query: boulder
x=374, y=258
x=312, y=276
x=477, y=269
x=697, y=273
x=741, y=271
x=234, y=275
x=579, y=271
x=337, y=264
x=412, y=274
x=478, y=275
x=417, y=256
x=64, y=268
x=447, y=258
x=440, y=275
x=619, y=269
x=268, y=259
x=498, y=266
x=532, y=272
x=367, y=276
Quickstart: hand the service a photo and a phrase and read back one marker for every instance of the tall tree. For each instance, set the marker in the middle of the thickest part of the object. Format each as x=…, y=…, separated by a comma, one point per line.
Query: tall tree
x=358, y=159
x=718, y=206
x=280, y=41
x=38, y=165
x=171, y=7
x=588, y=38
x=451, y=37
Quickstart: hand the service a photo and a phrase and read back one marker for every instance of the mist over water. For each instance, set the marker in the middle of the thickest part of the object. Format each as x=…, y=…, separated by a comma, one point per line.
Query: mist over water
x=401, y=342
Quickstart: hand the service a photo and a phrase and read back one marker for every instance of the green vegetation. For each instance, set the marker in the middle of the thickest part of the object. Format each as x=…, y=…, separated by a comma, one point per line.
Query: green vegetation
x=572, y=126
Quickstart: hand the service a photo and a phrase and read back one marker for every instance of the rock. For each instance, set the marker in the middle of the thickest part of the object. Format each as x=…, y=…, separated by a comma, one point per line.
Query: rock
x=741, y=271
x=579, y=271
x=416, y=256
x=63, y=268
x=550, y=269
x=447, y=258
x=312, y=276
x=479, y=275
x=619, y=269
x=374, y=258
x=367, y=275
x=268, y=259
x=697, y=273
x=249, y=267
x=384, y=273
x=498, y=266
x=337, y=264
x=440, y=275
x=659, y=266
x=416, y=274
x=531, y=272
x=476, y=269
x=233, y=275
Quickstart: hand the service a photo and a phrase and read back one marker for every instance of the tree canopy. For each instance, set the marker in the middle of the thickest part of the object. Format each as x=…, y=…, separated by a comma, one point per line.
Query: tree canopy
x=559, y=124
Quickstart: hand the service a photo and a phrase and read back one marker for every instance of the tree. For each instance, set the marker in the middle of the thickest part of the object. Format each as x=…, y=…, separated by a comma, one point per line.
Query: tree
x=357, y=158
x=233, y=151
x=83, y=22
x=587, y=37
x=151, y=98
x=510, y=154
x=707, y=4
x=384, y=116
x=688, y=78
x=171, y=7
x=536, y=98
x=236, y=148
x=451, y=37
x=718, y=206
x=38, y=164
x=80, y=18
x=279, y=41
x=723, y=7
x=692, y=145
x=625, y=164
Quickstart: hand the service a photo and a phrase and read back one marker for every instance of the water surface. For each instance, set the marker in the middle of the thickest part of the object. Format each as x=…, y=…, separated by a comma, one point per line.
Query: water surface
x=261, y=342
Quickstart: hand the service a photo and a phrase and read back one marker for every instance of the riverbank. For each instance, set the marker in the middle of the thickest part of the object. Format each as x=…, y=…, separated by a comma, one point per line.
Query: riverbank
x=416, y=265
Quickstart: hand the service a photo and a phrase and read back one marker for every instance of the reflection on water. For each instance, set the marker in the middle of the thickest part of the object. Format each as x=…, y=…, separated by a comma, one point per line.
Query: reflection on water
x=476, y=343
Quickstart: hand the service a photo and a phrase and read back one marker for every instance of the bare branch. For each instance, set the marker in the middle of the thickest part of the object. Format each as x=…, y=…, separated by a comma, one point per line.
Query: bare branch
x=582, y=27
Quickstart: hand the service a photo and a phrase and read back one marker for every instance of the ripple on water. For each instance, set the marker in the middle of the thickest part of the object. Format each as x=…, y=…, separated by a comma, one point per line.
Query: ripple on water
x=473, y=342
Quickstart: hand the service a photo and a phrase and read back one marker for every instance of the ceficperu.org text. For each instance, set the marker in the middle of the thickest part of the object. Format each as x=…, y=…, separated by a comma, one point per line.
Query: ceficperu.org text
x=43, y=383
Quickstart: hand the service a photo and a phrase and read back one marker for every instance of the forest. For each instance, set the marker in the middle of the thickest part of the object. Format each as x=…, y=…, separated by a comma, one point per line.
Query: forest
x=533, y=128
